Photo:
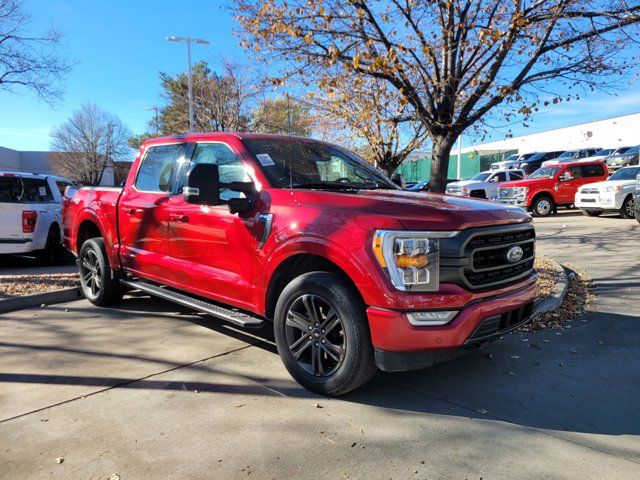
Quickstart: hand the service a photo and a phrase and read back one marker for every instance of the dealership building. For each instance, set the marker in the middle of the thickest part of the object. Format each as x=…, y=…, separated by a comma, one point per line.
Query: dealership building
x=41, y=162
x=609, y=133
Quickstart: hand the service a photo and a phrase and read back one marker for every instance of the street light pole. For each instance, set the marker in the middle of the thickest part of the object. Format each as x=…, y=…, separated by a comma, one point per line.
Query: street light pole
x=189, y=41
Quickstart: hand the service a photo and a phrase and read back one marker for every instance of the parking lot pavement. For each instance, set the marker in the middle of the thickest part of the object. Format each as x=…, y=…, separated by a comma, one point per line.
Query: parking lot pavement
x=22, y=265
x=149, y=391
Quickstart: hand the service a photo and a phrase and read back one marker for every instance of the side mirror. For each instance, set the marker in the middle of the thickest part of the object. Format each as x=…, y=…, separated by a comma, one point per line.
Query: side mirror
x=202, y=184
x=399, y=180
x=565, y=177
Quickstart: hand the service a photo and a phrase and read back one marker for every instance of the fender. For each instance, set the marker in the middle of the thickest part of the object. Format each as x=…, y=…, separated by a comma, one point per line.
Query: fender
x=106, y=227
x=305, y=243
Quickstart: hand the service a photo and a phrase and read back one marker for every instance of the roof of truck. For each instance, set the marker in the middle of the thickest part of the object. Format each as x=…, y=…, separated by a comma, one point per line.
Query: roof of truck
x=199, y=137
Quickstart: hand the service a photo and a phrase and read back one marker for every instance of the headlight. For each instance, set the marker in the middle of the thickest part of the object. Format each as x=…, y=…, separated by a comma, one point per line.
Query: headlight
x=612, y=188
x=411, y=259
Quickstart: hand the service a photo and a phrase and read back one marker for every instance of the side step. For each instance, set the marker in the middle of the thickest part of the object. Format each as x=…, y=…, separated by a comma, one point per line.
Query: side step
x=232, y=316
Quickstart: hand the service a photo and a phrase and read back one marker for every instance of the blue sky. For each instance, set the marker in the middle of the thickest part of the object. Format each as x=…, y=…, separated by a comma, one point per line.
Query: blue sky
x=119, y=47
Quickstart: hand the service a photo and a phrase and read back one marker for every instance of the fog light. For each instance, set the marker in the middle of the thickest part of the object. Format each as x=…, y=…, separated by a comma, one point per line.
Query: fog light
x=421, y=319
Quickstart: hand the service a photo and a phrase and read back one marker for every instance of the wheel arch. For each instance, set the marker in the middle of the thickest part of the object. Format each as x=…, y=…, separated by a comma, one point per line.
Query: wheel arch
x=295, y=265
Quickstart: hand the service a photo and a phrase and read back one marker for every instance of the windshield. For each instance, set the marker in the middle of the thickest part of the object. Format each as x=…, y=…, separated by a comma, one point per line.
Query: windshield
x=537, y=156
x=604, y=151
x=626, y=174
x=298, y=163
x=512, y=158
x=633, y=150
x=546, y=172
x=570, y=154
x=481, y=177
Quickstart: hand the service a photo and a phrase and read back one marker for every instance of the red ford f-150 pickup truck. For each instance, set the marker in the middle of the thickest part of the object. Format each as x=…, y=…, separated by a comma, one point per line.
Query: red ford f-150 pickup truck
x=354, y=273
x=552, y=185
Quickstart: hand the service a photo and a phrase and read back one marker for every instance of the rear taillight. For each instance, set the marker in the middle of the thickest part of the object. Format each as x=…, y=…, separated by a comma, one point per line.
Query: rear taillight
x=29, y=219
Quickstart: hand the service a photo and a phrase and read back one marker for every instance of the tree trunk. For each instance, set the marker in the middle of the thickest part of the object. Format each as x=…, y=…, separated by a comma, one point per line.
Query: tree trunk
x=442, y=145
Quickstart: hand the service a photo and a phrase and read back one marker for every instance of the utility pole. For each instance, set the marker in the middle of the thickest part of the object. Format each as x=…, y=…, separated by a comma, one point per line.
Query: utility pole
x=459, y=157
x=189, y=41
x=157, y=120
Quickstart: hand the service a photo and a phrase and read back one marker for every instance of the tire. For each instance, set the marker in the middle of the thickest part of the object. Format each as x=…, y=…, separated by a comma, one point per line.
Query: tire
x=628, y=208
x=52, y=251
x=542, y=206
x=331, y=371
x=592, y=213
x=98, y=284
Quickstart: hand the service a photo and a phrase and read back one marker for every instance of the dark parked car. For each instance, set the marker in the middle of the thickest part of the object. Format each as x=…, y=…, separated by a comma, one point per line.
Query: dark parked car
x=423, y=186
x=533, y=163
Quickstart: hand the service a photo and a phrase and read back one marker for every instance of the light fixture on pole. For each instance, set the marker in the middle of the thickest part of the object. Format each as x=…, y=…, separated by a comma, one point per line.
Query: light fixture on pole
x=189, y=41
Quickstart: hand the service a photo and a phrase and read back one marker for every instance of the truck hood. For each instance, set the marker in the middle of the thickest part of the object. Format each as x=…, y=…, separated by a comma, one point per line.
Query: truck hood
x=612, y=183
x=528, y=182
x=415, y=210
x=464, y=183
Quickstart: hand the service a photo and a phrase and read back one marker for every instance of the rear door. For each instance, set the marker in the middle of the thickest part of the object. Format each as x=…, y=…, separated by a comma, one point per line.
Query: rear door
x=10, y=209
x=593, y=173
x=142, y=215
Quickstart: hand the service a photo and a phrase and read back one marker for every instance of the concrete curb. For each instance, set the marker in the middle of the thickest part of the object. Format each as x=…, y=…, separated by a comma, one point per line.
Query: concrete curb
x=554, y=301
x=48, y=298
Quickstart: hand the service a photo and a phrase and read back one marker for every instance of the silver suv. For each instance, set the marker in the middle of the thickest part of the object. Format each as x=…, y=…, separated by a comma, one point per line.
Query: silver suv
x=484, y=184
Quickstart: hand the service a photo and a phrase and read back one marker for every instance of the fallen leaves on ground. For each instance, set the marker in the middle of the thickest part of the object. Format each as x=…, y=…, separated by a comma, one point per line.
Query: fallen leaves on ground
x=580, y=294
x=18, y=285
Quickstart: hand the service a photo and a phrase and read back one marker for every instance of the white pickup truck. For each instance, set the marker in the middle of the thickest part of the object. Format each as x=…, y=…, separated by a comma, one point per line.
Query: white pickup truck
x=30, y=214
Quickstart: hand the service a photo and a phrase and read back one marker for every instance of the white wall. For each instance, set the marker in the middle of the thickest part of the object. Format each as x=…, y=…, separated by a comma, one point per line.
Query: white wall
x=614, y=132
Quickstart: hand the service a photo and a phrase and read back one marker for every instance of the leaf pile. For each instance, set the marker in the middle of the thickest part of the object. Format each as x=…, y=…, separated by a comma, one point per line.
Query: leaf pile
x=580, y=294
x=18, y=285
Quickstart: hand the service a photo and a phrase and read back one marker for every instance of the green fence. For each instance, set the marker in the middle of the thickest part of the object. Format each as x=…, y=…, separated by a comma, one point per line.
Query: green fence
x=415, y=170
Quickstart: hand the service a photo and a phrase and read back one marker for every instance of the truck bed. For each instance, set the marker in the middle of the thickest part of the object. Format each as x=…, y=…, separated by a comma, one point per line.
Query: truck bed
x=90, y=204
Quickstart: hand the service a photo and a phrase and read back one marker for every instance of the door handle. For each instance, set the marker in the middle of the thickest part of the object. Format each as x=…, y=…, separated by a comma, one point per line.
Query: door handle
x=179, y=218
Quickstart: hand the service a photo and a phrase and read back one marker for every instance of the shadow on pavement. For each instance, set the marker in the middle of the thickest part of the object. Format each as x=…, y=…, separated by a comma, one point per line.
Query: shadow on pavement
x=583, y=379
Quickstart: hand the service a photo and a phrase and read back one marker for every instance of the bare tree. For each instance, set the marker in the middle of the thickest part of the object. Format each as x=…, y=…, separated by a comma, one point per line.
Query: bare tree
x=28, y=61
x=453, y=61
x=366, y=109
x=87, y=143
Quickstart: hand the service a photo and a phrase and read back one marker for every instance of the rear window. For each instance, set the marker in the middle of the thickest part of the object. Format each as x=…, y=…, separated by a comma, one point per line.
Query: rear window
x=157, y=167
x=24, y=190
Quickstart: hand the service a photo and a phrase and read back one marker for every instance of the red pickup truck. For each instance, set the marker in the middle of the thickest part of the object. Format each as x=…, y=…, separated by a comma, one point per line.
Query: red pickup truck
x=354, y=273
x=550, y=186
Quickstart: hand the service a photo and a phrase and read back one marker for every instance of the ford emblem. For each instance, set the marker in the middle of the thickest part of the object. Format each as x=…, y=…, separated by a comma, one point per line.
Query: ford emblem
x=515, y=254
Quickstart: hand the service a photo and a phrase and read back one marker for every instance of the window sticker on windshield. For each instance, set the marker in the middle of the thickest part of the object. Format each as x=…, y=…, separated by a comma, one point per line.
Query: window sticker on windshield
x=265, y=160
x=42, y=191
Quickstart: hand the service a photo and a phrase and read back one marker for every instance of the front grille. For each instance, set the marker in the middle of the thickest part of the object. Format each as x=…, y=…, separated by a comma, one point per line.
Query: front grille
x=497, y=325
x=476, y=259
x=507, y=192
x=489, y=263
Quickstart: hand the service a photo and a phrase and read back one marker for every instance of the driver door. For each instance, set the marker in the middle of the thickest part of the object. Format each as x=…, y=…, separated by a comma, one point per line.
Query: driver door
x=212, y=250
x=568, y=183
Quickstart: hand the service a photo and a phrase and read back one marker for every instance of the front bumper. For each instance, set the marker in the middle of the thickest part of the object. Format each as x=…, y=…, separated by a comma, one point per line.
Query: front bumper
x=402, y=346
x=517, y=201
x=602, y=201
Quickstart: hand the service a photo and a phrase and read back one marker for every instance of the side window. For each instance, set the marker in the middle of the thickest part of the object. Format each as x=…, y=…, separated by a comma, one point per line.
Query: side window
x=36, y=190
x=156, y=170
x=230, y=167
x=574, y=172
x=515, y=175
x=592, y=171
x=499, y=177
x=10, y=189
